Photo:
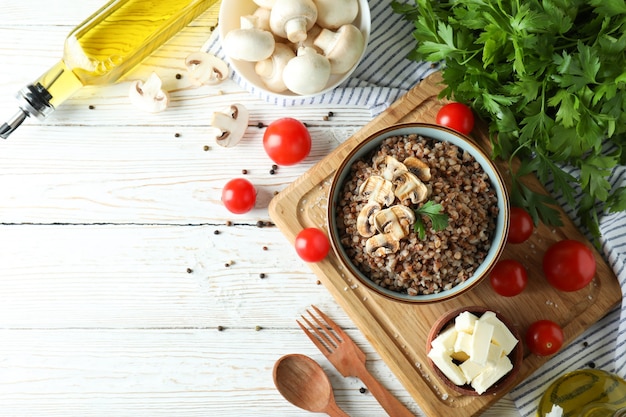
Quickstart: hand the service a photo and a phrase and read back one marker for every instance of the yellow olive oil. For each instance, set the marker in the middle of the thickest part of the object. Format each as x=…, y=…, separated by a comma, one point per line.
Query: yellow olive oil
x=103, y=48
x=585, y=393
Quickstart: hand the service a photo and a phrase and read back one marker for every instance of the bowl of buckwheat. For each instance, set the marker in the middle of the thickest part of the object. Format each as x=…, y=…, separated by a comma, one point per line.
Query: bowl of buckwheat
x=418, y=213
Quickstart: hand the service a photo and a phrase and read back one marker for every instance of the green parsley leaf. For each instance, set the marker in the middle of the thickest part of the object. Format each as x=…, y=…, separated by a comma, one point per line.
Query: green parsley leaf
x=433, y=211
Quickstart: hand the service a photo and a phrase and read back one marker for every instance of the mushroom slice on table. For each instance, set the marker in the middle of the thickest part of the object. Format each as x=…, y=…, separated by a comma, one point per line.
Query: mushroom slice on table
x=382, y=244
x=149, y=95
x=232, y=124
x=377, y=189
x=418, y=167
x=365, y=220
x=205, y=68
x=408, y=186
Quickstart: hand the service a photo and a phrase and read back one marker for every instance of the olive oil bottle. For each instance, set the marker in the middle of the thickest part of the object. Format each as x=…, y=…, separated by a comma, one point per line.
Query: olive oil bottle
x=585, y=393
x=102, y=49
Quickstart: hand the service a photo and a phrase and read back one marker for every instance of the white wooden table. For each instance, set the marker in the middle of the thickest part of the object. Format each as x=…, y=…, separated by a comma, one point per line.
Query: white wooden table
x=115, y=297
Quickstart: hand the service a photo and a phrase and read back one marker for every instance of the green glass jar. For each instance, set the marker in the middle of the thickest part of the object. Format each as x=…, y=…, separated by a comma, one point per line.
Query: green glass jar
x=585, y=393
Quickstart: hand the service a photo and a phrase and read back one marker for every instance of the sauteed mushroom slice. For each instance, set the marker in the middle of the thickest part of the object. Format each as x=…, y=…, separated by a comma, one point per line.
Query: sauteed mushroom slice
x=408, y=186
x=396, y=220
x=382, y=244
x=365, y=221
x=418, y=167
x=393, y=168
x=377, y=189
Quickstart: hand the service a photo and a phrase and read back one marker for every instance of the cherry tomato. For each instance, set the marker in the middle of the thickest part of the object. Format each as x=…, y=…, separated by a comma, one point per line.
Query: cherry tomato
x=312, y=245
x=239, y=196
x=508, y=277
x=287, y=141
x=569, y=265
x=456, y=116
x=544, y=337
x=521, y=225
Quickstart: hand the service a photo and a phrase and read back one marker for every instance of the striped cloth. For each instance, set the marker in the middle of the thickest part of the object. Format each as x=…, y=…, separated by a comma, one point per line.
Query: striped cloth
x=382, y=77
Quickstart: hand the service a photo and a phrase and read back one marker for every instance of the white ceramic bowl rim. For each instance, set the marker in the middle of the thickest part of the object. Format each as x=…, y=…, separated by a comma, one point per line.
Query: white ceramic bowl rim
x=442, y=134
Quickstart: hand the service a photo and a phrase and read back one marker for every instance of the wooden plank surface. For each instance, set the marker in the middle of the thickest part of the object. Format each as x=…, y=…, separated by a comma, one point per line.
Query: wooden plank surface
x=399, y=330
x=103, y=210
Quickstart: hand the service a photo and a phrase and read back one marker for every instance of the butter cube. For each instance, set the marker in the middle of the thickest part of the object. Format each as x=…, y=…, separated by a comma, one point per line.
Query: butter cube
x=443, y=361
x=483, y=381
x=501, y=334
x=445, y=340
x=471, y=369
x=465, y=322
x=462, y=346
x=481, y=339
x=494, y=355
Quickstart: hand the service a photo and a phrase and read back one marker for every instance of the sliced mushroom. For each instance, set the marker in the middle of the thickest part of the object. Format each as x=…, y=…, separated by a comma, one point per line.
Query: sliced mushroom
x=205, y=68
x=365, y=221
x=377, y=189
x=232, y=124
x=408, y=186
x=418, y=167
x=381, y=244
x=393, y=168
x=395, y=220
x=149, y=96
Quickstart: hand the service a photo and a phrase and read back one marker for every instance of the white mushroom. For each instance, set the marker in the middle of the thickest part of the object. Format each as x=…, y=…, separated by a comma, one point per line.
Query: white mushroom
x=149, y=96
x=292, y=19
x=271, y=69
x=249, y=43
x=333, y=14
x=261, y=18
x=307, y=73
x=232, y=124
x=205, y=68
x=343, y=48
x=268, y=4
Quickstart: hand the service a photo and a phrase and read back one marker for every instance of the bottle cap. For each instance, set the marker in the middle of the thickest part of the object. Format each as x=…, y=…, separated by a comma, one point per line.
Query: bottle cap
x=34, y=100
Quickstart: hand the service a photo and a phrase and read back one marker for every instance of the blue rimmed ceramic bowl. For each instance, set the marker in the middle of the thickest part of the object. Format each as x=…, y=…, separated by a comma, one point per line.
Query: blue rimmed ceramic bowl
x=498, y=217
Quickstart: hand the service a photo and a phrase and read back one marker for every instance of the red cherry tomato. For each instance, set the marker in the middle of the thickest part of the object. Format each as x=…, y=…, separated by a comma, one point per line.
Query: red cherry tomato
x=521, y=225
x=312, y=245
x=544, y=337
x=508, y=277
x=239, y=196
x=287, y=141
x=569, y=265
x=456, y=116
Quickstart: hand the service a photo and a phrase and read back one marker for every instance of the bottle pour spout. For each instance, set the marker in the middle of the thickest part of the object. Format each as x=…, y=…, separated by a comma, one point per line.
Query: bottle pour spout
x=34, y=100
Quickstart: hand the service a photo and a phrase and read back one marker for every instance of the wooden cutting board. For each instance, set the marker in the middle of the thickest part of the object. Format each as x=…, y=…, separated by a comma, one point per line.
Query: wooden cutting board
x=398, y=331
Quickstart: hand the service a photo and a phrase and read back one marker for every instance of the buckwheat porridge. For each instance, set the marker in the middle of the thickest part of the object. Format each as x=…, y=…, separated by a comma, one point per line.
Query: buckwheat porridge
x=376, y=215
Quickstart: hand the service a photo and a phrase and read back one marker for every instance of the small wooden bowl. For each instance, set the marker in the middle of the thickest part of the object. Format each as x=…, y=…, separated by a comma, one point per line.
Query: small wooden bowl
x=516, y=356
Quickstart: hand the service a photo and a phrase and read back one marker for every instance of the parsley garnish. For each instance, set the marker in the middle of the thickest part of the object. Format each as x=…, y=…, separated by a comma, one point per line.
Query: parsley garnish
x=434, y=212
x=548, y=76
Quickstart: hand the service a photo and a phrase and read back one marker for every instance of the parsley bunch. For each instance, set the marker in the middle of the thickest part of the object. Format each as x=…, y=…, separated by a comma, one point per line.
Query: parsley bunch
x=549, y=76
x=434, y=212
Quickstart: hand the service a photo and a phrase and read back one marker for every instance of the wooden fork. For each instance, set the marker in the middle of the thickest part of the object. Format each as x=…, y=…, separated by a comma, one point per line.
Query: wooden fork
x=348, y=358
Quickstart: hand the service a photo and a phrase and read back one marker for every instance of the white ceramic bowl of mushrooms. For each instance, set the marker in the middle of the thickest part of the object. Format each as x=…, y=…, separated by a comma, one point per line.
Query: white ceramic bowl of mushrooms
x=294, y=48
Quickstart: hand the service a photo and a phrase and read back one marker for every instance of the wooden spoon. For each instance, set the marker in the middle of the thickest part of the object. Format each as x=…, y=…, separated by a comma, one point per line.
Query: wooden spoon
x=303, y=383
